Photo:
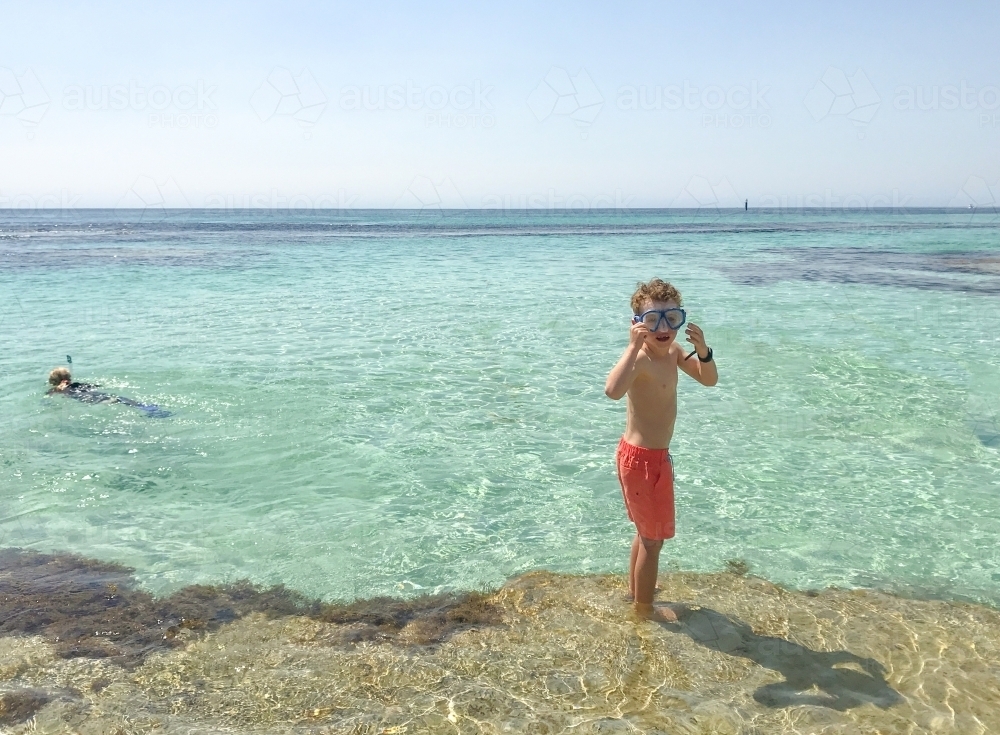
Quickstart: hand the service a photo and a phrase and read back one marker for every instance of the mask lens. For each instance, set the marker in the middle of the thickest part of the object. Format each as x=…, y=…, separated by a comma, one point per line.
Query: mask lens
x=650, y=320
x=675, y=318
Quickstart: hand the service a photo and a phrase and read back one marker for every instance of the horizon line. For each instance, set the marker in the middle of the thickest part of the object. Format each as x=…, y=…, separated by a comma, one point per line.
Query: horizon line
x=577, y=210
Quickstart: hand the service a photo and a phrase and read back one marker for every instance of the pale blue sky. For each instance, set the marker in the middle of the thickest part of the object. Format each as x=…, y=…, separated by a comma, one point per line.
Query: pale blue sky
x=518, y=143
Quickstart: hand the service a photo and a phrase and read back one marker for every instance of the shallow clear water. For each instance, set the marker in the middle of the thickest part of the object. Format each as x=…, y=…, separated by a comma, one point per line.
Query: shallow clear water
x=387, y=402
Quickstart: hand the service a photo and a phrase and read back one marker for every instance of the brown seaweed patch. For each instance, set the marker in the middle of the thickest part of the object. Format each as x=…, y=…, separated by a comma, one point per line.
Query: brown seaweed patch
x=21, y=705
x=739, y=567
x=91, y=609
x=421, y=621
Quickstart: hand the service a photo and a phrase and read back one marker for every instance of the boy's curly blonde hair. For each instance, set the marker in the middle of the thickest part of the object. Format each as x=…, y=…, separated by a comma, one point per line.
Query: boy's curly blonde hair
x=654, y=290
x=59, y=375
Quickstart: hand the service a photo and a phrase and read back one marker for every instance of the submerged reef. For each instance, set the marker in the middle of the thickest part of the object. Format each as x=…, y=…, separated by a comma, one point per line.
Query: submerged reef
x=83, y=650
x=91, y=609
x=940, y=271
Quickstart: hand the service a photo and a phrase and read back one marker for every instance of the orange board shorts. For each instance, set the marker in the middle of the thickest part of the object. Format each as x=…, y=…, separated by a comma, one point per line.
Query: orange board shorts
x=647, y=480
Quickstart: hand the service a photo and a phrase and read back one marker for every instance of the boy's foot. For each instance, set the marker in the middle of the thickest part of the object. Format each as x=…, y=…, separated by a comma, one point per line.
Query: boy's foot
x=657, y=613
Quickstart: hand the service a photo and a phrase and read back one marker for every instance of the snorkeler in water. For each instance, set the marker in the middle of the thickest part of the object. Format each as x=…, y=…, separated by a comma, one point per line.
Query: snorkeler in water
x=62, y=382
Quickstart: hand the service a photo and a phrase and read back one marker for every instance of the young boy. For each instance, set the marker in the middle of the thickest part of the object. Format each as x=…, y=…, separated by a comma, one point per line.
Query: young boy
x=647, y=374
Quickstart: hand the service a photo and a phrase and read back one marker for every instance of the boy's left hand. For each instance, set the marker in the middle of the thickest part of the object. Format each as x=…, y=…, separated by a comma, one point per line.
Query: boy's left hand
x=697, y=338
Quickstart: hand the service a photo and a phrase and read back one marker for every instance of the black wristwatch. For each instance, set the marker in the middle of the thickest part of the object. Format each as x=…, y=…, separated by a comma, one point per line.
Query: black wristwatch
x=707, y=358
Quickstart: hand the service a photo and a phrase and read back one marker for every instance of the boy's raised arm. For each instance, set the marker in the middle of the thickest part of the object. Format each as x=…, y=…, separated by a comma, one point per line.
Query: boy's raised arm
x=704, y=372
x=623, y=373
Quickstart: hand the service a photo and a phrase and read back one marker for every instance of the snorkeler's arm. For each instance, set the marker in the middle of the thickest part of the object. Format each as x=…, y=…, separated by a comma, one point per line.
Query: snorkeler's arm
x=58, y=388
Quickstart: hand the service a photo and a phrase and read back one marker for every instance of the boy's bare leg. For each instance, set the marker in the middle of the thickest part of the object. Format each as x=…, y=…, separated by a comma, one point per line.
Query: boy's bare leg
x=636, y=543
x=631, y=566
x=646, y=564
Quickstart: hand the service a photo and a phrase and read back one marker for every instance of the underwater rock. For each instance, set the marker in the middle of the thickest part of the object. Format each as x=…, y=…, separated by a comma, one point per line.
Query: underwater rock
x=544, y=653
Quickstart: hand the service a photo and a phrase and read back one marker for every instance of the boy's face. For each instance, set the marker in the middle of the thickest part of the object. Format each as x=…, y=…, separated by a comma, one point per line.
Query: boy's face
x=664, y=336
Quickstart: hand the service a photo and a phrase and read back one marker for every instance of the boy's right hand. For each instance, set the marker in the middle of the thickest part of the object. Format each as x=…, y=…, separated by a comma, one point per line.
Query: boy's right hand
x=637, y=335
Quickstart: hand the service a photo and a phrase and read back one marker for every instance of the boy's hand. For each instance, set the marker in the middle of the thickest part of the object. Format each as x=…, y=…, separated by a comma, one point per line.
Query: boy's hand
x=697, y=338
x=637, y=335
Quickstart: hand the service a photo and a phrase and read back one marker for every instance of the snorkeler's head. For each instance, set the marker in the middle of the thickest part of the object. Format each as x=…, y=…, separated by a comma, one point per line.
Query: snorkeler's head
x=59, y=375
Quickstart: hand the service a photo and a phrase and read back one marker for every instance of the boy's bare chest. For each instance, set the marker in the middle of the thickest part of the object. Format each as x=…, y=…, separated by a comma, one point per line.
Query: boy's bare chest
x=658, y=383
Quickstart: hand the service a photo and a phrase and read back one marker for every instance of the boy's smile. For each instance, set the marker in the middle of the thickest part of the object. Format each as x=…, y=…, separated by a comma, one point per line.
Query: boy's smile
x=663, y=339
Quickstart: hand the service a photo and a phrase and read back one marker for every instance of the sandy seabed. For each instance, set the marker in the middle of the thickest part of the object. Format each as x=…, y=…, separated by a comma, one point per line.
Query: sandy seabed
x=82, y=651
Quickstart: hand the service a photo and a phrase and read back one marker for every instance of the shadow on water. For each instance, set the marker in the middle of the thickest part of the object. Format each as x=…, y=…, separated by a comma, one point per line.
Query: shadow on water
x=88, y=608
x=804, y=669
x=987, y=430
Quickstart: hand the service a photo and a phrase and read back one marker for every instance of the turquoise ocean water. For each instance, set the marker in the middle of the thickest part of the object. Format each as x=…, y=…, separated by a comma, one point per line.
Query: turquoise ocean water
x=368, y=403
